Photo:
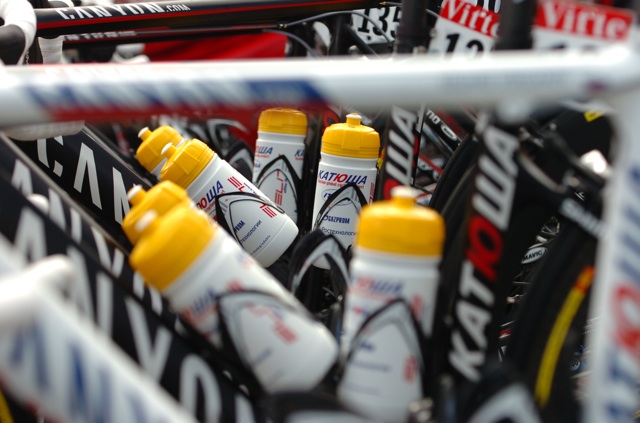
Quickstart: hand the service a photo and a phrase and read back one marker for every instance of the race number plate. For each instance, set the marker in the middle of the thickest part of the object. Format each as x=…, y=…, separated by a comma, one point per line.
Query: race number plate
x=386, y=18
x=464, y=28
x=568, y=24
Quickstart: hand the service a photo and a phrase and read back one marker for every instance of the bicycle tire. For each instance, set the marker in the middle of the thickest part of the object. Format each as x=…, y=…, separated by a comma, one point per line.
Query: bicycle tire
x=461, y=160
x=550, y=321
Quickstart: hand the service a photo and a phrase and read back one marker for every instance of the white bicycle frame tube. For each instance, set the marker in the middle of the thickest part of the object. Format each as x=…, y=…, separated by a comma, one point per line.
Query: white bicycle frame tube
x=56, y=359
x=515, y=82
x=512, y=83
x=615, y=343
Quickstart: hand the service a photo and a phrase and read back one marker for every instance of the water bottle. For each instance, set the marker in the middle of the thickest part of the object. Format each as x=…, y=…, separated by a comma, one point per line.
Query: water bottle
x=149, y=153
x=396, y=254
x=393, y=280
x=279, y=156
x=349, y=154
x=209, y=279
x=262, y=228
x=160, y=198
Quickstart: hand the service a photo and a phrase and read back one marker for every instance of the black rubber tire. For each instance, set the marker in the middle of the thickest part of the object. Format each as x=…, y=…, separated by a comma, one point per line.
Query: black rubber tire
x=550, y=324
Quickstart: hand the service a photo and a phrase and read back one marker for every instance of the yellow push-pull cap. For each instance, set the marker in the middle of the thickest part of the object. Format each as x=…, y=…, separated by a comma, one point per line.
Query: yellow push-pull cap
x=185, y=163
x=160, y=198
x=149, y=152
x=283, y=121
x=401, y=226
x=351, y=139
x=170, y=245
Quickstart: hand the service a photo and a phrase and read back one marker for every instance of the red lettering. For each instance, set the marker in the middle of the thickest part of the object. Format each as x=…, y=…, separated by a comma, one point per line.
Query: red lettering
x=485, y=246
x=626, y=311
x=452, y=8
x=471, y=16
x=410, y=368
x=284, y=332
x=203, y=203
x=417, y=307
x=341, y=177
x=584, y=19
x=234, y=286
x=364, y=283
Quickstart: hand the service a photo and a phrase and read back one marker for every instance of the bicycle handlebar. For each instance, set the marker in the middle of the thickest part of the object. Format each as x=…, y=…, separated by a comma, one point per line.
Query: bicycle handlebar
x=18, y=31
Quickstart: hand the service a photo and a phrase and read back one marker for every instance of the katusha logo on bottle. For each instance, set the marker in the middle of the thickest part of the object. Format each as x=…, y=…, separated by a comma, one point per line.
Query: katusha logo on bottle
x=264, y=151
x=341, y=178
x=378, y=287
x=210, y=196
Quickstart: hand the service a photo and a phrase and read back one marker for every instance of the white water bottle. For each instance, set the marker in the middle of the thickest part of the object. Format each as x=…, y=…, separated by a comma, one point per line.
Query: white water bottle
x=281, y=134
x=149, y=152
x=193, y=263
x=349, y=154
x=396, y=255
x=262, y=228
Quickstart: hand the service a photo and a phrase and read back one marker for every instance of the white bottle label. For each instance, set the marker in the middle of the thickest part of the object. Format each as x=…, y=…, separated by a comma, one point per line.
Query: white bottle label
x=341, y=219
x=285, y=348
x=370, y=290
x=266, y=153
x=223, y=267
x=272, y=175
x=255, y=222
x=382, y=376
x=214, y=181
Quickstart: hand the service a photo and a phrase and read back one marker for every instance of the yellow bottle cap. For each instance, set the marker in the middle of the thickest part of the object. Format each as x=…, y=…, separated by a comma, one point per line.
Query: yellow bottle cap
x=185, y=163
x=149, y=152
x=284, y=121
x=351, y=139
x=401, y=226
x=170, y=245
x=160, y=198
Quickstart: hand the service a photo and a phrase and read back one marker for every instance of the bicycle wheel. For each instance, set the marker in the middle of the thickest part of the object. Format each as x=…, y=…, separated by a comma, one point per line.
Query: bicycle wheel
x=550, y=324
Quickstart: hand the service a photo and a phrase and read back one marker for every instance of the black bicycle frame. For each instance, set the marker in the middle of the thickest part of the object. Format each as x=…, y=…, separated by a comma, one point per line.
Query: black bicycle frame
x=401, y=139
x=181, y=15
x=91, y=172
x=179, y=363
x=515, y=190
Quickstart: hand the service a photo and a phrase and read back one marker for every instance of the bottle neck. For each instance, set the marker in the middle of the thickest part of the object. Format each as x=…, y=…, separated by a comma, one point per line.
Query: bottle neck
x=281, y=138
x=344, y=161
x=363, y=253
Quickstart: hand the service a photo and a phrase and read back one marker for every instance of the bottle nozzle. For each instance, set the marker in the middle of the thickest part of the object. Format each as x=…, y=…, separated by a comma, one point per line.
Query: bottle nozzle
x=404, y=195
x=136, y=194
x=144, y=133
x=168, y=150
x=147, y=222
x=353, y=119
